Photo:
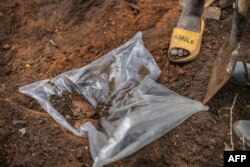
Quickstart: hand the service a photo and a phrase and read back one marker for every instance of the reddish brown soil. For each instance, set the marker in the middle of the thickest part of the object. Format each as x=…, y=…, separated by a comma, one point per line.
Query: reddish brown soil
x=83, y=31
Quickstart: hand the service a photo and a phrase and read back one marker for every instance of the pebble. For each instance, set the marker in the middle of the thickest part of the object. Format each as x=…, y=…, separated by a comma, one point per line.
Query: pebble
x=27, y=65
x=212, y=12
x=22, y=131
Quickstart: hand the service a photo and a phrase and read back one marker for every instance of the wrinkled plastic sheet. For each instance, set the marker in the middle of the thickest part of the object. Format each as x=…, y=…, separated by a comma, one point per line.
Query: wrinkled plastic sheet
x=141, y=110
x=242, y=130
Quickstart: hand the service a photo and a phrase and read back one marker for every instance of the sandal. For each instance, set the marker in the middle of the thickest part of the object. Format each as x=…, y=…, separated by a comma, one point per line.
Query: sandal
x=188, y=40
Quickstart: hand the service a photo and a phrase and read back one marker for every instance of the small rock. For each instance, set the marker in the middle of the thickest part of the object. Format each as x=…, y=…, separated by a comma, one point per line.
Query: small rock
x=27, y=65
x=212, y=12
x=22, y=131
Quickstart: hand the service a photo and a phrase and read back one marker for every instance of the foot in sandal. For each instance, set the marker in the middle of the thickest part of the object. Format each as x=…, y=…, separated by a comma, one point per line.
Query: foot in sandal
x=187, y=36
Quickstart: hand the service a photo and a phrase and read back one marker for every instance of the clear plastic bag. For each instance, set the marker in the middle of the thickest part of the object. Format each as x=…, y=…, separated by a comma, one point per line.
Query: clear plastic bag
x=141, y=110
x=242, y=130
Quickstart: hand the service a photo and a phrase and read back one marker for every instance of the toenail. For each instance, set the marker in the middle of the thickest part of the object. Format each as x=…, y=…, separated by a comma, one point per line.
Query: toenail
x=180, y=52
x=185, y=53
x=174, y=52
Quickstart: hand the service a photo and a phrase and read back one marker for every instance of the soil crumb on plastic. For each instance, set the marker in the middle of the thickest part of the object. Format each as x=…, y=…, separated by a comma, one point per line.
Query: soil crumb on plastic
x=112, y=85
x=144, y=71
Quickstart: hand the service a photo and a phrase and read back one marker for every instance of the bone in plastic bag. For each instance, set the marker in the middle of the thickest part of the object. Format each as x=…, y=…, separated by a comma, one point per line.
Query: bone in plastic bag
x=141, y=109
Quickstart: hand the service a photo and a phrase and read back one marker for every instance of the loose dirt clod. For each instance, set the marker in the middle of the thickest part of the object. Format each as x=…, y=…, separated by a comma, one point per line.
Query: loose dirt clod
x=144, y=71
x=77, y=110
